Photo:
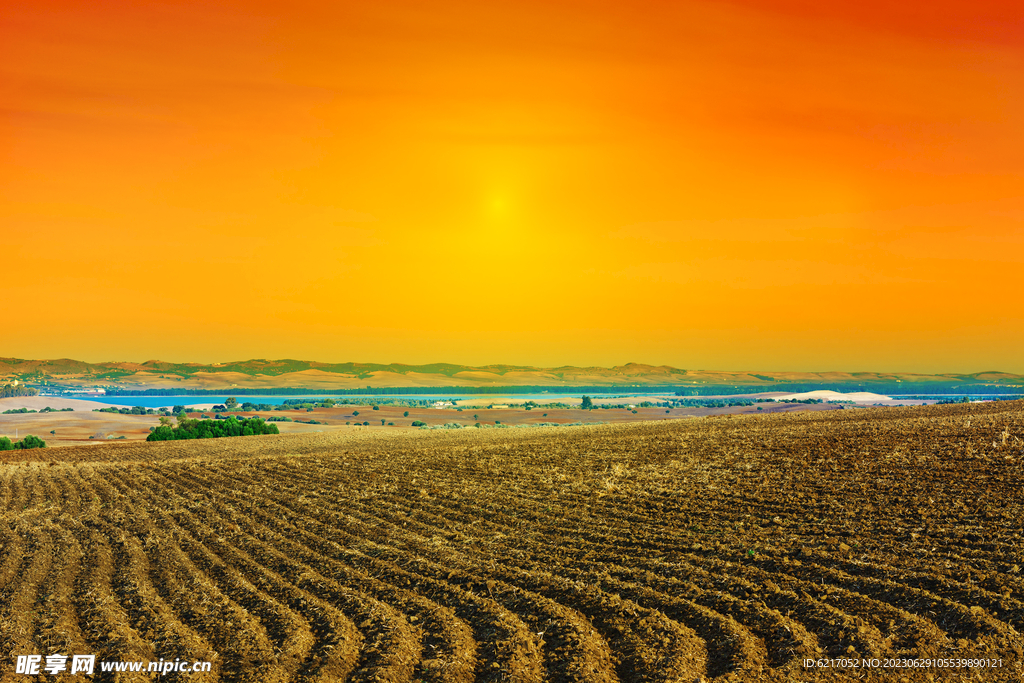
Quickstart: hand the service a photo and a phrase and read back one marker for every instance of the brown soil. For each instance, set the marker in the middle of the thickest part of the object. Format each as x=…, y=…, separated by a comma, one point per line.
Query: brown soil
x=729, y=549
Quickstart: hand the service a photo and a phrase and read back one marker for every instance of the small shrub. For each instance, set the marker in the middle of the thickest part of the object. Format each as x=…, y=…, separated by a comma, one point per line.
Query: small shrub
x=31, y=442
x=405, y=414
x=418, y=423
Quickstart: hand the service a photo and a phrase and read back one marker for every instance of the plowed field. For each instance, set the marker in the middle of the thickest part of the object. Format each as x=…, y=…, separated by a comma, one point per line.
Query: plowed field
x=729, y=549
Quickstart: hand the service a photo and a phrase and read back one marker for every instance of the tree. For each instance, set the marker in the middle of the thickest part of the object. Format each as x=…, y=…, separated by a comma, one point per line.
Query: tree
x=587, y=403
x=178, y=409
x=376, y=407
x=31, y=442
x=382, y=422
x=231, y=403
x=405, y=414
x=354, y=413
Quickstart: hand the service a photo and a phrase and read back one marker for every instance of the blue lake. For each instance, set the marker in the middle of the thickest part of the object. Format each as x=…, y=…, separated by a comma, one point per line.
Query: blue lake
x=484, y=399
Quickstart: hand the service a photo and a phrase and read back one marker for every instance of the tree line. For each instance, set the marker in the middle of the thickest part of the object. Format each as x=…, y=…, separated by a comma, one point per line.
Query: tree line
x=210, y=429
x=10, y=391
x=28, y=442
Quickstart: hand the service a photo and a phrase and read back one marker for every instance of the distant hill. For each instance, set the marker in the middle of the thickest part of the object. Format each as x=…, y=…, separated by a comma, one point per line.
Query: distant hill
x=284, y=374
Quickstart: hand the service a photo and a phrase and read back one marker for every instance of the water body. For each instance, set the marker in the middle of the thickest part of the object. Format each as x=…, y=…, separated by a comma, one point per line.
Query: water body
x=482, y=399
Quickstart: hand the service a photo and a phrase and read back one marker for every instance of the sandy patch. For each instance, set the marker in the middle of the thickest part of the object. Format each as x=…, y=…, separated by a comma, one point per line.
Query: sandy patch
x=40, y=402
x=828, y=395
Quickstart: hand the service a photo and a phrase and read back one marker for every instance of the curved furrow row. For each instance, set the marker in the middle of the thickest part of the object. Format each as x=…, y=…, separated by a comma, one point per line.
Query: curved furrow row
x=391, y=646
x=335, y=652
x=959, y=620
x=59, y=630
x=19, y=622
x=732, y=645
x=238, y=637
x=1000, y=605
x=847, y=633
x=899, y=632
x=837, y=633
x=103, y=621
x=519, y=648
x=645, y=644
x=18, y=501
x=314, y=638
x=160, y=631
x=453, y=656
x=824, y=620
x=7, y=476
x=508, y=646
x=14, y=556
x=663, y=650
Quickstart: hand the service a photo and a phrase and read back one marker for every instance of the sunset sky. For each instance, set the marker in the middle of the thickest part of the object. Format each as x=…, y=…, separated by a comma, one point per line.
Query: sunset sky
x=791, y=185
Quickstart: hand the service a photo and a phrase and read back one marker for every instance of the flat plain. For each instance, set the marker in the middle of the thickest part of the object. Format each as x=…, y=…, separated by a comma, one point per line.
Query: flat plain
x=729, y=548
x=84, y=426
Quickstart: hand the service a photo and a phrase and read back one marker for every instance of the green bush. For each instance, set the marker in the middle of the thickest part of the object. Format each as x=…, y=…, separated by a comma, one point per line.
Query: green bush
x=212, y=429
x=418, y=423
x=31, y=442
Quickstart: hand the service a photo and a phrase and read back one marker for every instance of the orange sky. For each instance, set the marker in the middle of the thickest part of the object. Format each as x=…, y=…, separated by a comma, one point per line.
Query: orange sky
x=749, y=185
